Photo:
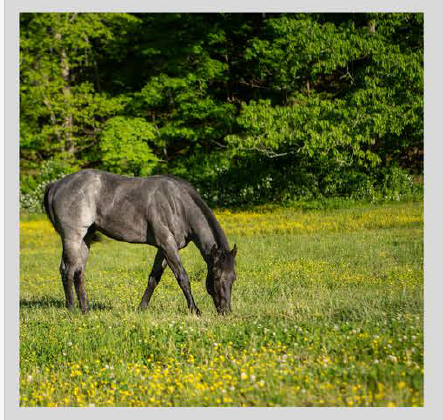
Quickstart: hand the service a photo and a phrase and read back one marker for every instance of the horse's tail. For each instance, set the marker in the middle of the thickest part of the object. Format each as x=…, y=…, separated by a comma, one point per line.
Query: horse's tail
x=48, y=207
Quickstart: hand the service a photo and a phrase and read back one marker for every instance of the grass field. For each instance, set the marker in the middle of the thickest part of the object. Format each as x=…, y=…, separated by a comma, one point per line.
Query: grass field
x=327, y=311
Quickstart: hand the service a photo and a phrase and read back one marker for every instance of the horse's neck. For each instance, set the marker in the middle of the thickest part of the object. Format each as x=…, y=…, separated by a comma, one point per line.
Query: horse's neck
x=205, y=240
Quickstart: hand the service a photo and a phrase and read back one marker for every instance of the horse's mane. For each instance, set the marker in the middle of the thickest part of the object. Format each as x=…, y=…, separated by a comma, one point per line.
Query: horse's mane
x=217, y=230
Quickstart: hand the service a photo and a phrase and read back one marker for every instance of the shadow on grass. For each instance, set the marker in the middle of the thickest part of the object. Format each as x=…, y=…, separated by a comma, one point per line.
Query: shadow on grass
x=46, y=302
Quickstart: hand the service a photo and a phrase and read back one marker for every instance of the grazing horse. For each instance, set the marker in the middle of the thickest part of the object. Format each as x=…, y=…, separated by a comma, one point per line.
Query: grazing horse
x=161, y=210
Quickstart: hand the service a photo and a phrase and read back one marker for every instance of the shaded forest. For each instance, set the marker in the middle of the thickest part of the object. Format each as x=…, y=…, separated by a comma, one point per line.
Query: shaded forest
x=250, y=108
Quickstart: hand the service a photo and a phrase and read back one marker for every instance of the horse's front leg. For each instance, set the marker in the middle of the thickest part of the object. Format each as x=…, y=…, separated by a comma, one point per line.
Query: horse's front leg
x=154, y=278
x=173, y=259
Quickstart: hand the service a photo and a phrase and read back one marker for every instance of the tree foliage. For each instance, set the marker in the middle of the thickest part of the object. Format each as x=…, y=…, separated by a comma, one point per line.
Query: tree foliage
x=257, y=106
x=124, y=147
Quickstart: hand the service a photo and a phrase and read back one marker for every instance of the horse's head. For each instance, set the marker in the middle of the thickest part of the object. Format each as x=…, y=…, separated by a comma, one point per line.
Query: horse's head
x=221, y=276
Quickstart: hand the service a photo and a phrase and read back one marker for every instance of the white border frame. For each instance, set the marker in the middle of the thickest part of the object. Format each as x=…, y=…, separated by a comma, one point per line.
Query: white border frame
x=433, y=204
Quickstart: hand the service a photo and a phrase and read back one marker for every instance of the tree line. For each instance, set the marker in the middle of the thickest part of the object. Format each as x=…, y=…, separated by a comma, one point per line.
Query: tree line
x=248, y=107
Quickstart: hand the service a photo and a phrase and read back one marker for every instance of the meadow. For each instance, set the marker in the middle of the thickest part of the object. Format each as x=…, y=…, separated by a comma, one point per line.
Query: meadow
x=327, y=311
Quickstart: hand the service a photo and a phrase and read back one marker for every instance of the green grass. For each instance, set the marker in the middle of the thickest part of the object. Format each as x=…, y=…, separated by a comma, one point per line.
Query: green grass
x=327, y=311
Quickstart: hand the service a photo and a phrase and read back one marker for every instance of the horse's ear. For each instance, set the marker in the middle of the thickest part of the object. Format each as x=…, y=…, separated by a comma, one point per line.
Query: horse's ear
x=234, y=251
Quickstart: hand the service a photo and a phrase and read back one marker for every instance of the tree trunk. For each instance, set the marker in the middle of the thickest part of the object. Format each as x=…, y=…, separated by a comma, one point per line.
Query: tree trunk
x=69, y=145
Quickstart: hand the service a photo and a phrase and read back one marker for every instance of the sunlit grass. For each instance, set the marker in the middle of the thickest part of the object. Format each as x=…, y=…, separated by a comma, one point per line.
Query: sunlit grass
x=327, y=311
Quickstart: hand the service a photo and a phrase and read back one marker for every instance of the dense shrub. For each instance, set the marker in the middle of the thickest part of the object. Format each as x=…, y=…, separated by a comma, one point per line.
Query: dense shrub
x=32, y=187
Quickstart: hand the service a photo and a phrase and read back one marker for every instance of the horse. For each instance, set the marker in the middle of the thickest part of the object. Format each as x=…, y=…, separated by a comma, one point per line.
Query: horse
x=161, y=210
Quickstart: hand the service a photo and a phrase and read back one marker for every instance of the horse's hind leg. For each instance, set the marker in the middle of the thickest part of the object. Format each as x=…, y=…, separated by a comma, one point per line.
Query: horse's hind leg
x=67, y=285
x=79, y=279
x=72, y=268
x=154, y=278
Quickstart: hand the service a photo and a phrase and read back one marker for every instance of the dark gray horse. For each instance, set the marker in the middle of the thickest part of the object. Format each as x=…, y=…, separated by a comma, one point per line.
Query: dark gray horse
x=160, y=210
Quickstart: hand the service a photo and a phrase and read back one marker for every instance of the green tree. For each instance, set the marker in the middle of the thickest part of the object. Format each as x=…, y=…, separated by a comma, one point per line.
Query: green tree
x=124, y=147
x=248, y=107
x=61, y=108
x=338, y=100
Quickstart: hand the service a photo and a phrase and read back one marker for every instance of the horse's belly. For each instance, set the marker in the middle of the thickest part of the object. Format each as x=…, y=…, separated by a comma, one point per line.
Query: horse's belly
x=123, y=229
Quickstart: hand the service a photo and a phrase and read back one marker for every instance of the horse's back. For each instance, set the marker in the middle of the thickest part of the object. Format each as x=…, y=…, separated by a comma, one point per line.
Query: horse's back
x=130, y=209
